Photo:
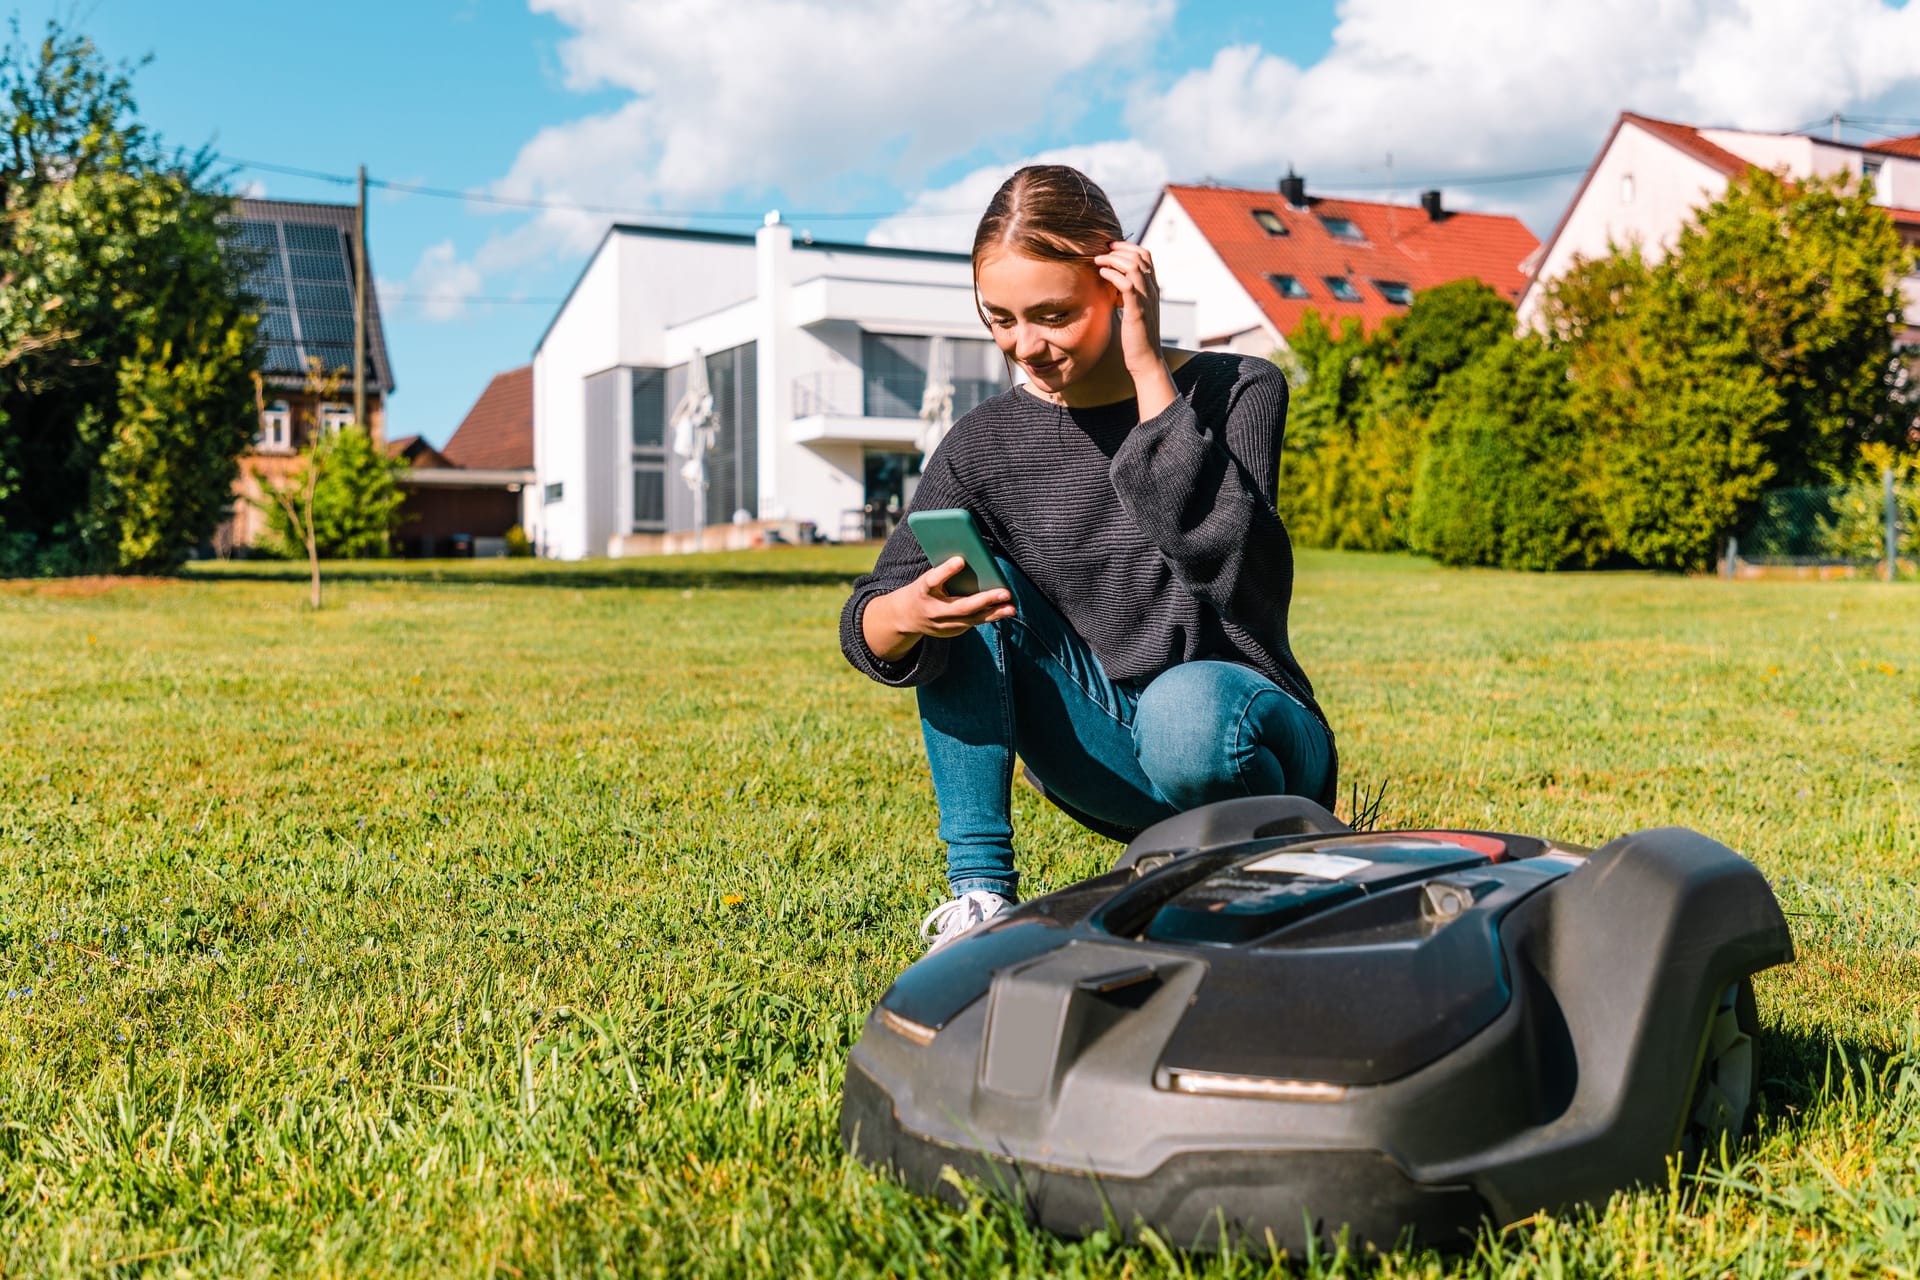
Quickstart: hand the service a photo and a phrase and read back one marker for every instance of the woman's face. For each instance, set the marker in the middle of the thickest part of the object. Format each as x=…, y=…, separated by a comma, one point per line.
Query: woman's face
x=1054, y=318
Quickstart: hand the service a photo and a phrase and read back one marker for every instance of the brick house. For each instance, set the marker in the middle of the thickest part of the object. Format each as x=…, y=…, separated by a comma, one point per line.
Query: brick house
x=304, y=278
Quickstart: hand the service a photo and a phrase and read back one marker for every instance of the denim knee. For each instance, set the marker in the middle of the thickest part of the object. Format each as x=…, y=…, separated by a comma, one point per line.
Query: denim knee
x=1205, y=731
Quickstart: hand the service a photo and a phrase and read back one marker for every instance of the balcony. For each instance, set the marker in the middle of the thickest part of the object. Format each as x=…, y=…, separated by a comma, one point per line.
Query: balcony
x=848, y=406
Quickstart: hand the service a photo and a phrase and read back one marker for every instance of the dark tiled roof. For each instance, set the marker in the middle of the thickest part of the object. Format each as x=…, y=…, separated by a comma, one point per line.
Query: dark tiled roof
x=303, y=275
x=497, y=432
x=417, y=452
x=1398, y=245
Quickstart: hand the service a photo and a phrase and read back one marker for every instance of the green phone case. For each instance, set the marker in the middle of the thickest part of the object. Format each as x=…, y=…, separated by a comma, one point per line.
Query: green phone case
x=949, y=533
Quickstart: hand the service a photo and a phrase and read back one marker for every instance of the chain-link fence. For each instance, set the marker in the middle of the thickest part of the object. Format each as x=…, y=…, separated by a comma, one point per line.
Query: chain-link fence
x=1840, y=525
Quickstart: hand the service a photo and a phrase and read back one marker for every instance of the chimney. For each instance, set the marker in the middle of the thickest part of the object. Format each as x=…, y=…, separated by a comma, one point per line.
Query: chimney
x=1430, y=201
x=1294, y=188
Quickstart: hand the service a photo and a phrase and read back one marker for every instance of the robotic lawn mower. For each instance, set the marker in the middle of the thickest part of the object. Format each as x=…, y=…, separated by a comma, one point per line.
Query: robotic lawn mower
x=1262, y=1024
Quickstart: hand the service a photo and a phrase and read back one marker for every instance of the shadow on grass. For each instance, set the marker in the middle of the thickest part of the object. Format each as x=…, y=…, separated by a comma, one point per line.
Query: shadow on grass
x=1795, y=1066
x=651, y=577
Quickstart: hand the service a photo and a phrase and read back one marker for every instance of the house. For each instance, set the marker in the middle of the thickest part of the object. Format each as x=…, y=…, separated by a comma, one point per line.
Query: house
x=816, y=357
x=302, y=271
x=1651, y=175
x=1255, y=262
x=462, y=498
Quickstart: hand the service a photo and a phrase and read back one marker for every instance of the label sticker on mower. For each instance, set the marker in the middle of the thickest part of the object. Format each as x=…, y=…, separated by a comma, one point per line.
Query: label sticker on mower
x=1321, y=866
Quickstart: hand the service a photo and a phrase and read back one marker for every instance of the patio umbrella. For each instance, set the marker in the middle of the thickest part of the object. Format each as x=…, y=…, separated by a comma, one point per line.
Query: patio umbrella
x=936, y=403
x=694, y=428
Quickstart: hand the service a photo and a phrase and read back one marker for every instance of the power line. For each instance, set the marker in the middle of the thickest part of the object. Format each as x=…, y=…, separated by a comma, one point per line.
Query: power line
x=870, y=215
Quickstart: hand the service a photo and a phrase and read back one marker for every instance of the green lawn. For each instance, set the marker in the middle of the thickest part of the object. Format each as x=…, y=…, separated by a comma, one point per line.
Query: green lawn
x=516, y=918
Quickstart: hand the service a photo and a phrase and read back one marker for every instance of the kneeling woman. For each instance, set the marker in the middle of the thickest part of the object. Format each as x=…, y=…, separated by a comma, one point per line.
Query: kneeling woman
x=1139, y=664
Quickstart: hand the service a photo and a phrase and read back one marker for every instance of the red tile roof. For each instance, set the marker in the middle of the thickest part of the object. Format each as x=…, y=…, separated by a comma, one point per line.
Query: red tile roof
x=1908, y=146
x=497, y=432
x=416, y=452
x=1401, y=245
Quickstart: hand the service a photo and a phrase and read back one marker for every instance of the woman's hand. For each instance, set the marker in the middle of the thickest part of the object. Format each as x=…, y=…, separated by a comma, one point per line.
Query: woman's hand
x=1129, y=269
x=893, y=623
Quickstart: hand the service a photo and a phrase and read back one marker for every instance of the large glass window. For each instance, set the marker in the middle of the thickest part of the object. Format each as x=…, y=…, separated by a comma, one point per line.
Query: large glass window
x=733, y=468
x=894, y=369
x=649, y=398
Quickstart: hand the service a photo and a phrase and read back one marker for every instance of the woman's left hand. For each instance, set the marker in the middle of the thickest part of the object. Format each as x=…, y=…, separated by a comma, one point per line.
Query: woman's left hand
x=1129, y=269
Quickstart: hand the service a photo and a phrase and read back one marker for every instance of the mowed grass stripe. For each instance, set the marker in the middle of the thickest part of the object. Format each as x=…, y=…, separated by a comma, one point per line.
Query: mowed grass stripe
x=517, y=917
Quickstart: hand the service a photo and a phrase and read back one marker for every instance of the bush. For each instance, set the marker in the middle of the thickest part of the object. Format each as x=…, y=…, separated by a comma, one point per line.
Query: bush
x=356, y=500
x=1500, y=481
x=518, y=543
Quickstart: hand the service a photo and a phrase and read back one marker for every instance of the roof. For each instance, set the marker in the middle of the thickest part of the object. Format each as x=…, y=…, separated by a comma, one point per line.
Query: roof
x=416, y=452
x=743, y=239
x=1908, y=146
x=1400, y=245
x=303, y=275
x=497, y=433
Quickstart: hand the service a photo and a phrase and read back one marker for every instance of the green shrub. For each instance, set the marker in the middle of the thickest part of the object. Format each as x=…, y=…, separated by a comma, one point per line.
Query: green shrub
x=518, y=543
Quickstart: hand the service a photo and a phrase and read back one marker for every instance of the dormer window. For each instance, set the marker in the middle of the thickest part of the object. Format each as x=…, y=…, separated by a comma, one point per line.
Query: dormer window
x=276, y=429
x=1342, y=288
x=335, y=417
x=1395, y=291
x=1270, y=222
x=1288, y=286
x=1341, y=228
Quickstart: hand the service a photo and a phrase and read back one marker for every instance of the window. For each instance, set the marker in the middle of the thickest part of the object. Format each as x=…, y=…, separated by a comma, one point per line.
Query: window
x=650, y=498
x=894, y=370
x=1873, y=177
x=276, y=429
x=1270, y=222
x=335, y=416
x=1394, y=291
x=1626, y=188
x=1341, y=228
x=1288, y=286
x=1341, y=288
x=649, y=400
x=555, y=492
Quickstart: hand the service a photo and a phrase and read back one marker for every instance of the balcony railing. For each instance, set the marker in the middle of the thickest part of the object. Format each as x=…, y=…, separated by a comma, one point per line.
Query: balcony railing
x=850, y=393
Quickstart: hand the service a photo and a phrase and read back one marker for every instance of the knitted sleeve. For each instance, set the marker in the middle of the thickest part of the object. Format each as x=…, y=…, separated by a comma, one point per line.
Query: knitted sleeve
x=1199, y=480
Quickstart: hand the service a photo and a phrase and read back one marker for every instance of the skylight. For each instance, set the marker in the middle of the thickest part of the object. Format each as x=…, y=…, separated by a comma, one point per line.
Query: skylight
x=1270, y=222
x=1288, y=286
x=1341, y=228
x=1395, y=291
x=1342, y=288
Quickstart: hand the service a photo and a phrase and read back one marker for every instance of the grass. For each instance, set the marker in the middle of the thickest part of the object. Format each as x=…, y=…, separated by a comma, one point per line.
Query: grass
x=516, y=918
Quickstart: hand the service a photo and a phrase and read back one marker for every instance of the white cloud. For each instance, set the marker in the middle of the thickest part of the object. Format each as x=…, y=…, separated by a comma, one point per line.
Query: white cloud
x=944, y=218
x=1517, y=85
x=798, y=94
x=440, y=286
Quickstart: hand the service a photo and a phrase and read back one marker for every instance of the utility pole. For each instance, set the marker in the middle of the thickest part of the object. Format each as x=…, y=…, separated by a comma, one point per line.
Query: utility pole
x=360, y=310
x=1836, y=126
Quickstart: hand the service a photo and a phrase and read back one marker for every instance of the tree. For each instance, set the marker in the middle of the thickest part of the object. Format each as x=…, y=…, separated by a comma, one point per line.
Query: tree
x=127, y=341
x=1501, y=481
x=344, y=500
x=1357, y=425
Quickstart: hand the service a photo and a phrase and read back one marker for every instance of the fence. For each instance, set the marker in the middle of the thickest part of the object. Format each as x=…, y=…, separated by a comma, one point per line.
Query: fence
x=1849, y=528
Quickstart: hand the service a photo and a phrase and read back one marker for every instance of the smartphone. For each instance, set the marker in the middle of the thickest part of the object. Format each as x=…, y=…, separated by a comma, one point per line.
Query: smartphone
x=949, y=533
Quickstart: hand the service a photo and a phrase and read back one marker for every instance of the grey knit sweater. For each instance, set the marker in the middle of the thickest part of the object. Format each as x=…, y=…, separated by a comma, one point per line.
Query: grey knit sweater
x=1157, y=541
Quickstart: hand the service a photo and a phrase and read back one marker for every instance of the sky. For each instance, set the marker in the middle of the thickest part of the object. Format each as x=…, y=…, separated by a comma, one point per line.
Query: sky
x=892, y=121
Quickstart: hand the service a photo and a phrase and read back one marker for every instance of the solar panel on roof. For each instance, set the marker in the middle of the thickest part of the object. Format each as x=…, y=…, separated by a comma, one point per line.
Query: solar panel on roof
x=276, y=325
x=332, y=358
x=308, y=237
x=310, y=296
x=319, y=266
x=281, y=358
x=256, y=234
x=325, y=326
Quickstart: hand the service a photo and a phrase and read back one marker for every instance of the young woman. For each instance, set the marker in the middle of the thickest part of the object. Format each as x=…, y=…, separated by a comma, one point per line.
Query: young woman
x=1139, y=664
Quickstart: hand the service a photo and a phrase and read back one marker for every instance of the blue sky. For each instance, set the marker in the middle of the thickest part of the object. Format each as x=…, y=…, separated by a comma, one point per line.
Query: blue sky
x=821, y=107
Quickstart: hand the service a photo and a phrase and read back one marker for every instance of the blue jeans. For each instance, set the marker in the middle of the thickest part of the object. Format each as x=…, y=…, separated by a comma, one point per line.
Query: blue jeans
x=1127, y=752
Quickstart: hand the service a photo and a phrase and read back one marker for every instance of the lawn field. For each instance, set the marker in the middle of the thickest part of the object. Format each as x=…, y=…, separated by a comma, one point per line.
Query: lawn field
x=515, y=919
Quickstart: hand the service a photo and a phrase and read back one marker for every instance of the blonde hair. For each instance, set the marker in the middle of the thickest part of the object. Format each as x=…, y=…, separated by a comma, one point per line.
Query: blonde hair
x=1052, y=212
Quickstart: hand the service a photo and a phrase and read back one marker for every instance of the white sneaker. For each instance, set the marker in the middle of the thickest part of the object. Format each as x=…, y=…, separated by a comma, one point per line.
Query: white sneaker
x=949, y=920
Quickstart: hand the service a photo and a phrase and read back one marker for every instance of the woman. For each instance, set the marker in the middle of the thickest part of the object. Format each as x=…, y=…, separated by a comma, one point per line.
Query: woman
x=1139, y=663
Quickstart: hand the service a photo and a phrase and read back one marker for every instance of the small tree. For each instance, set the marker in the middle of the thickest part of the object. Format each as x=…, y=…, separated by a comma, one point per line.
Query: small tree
x=344, y=500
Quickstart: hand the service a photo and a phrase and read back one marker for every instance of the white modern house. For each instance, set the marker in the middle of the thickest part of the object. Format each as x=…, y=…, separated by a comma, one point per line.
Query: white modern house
x=816, y=356
x=1651, y=175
